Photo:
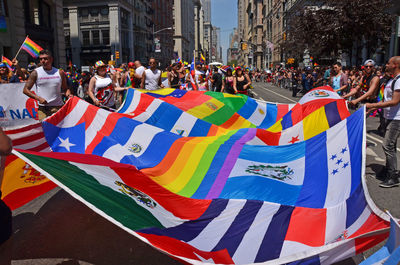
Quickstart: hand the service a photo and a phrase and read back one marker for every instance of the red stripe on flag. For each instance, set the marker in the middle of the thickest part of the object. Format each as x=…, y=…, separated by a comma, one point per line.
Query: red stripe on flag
x=373, y=223
x=28, y=139
x=22, y=196
x=365, y=243
x=23, y=129
x=89, y=116
x=342, y=108
x=282, y=110
x=106, y=130
x=182, y=249
x=40, y=148
x=268, y=138
x=63, y=112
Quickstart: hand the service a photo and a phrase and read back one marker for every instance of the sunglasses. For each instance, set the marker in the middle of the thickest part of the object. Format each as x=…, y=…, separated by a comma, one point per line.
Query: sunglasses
x=368, y=66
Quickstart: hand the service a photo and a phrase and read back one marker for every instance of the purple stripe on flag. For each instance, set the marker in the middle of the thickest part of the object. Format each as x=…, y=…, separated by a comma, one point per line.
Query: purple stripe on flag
x=226, y=169
x=29, y=50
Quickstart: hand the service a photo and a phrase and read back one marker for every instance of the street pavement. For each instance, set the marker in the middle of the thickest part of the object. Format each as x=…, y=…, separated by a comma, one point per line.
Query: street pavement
x=57, y=229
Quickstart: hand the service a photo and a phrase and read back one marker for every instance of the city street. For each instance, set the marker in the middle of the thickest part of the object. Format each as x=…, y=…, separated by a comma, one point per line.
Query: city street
x=57, y=229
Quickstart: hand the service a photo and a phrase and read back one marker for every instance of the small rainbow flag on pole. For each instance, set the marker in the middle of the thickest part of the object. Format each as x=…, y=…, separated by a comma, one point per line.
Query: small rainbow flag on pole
x=6, y=61
x=30, y=47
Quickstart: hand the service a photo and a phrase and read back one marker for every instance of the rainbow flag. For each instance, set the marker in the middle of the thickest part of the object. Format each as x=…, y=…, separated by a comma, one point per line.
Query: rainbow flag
x=7, y=62
x=30, y=47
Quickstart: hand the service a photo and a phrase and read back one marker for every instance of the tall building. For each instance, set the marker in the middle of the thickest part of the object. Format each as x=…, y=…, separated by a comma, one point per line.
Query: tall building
x=207, y=41
x=198, y=26
x=163, y=28
x=41, y=20
x=216, y=54
x=184, y=35
x=98, y=30
x=234, y=45
x=207, y=10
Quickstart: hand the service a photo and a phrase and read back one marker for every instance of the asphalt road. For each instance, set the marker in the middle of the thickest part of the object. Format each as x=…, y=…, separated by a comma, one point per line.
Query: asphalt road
x=57, y=229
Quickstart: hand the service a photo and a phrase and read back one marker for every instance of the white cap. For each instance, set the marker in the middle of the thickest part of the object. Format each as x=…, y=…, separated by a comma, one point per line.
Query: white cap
x=370, y=61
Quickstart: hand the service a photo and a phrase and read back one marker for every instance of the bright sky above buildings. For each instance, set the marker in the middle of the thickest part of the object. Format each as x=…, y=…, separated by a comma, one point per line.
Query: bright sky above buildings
x=224, y=16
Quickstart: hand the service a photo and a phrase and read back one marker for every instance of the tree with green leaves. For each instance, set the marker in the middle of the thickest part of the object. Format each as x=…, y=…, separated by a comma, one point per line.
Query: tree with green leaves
x=331, y=26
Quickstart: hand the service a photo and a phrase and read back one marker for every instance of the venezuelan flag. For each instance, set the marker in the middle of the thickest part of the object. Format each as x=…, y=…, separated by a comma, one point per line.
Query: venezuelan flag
x=31, y=47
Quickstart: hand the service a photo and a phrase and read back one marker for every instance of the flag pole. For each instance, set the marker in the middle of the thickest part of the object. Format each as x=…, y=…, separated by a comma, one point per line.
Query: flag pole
x=15, y=57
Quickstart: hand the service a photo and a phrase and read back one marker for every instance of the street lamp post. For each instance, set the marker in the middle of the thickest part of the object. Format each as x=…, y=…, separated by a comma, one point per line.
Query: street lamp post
x=158, y=31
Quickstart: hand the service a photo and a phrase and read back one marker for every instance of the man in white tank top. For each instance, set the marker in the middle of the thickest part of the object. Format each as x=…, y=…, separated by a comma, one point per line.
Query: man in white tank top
x=49, y=81
x=151, y=79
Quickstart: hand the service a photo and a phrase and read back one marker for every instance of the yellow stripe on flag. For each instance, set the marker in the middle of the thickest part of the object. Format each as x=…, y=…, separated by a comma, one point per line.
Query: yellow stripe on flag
x=206, y=109
x=188, y=169
x=277, y=127
x=19, y=175
x=315, y=123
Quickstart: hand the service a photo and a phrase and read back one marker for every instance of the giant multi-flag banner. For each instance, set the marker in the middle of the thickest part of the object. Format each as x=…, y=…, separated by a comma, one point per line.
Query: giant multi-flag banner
x=215, y=178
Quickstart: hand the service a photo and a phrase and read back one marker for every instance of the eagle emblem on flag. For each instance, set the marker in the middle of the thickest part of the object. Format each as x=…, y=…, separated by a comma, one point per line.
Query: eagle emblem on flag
x=136, y=194
x=276, y=172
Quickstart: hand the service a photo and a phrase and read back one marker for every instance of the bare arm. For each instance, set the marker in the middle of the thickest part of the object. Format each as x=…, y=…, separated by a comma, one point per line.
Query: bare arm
x=5, y=144
x=64, y=84
x=28, y=86
x=380, y=105
x=143, y=80
x=92, y=84
x=159, y=81
x=248, y=81
x=169, y=76
x=373, y=88
x=116, y=86
x=355, y=90
x=223, y=86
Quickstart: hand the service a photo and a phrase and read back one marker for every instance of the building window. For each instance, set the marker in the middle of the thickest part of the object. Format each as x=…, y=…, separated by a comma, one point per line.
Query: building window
x=104, y=11
x=94, y=12
x=85, y=38
x=46, y=20
x=95, y=37
x=106, y=36
x=65, y=13
x=84, y=12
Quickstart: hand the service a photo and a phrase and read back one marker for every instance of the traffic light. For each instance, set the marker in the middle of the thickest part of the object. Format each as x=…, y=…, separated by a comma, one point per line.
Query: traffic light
x=116, y=54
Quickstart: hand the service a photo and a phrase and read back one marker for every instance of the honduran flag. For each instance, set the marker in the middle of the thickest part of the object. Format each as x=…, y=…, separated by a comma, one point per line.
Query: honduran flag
x=31, y=47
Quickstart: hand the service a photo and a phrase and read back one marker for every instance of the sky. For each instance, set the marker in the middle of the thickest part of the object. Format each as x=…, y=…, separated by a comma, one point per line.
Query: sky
x=224, y=16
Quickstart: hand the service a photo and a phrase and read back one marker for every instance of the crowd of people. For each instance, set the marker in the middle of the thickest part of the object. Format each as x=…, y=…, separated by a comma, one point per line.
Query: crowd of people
x=104, y=86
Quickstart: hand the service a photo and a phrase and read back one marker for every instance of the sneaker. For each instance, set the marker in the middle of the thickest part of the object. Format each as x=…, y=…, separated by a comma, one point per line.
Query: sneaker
x=381, y=175
x=390, y=183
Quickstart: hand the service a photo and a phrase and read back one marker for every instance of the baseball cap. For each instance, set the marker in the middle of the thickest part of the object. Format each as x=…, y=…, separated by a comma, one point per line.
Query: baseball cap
x=31, y=67
x=131, y=65
x=99, y=64
x=369, y=61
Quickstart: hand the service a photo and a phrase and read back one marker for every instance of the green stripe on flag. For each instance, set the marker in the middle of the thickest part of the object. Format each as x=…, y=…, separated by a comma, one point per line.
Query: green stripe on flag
x=235, y=103
x=204, y=165
x=119, y=206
